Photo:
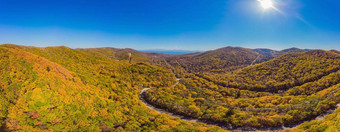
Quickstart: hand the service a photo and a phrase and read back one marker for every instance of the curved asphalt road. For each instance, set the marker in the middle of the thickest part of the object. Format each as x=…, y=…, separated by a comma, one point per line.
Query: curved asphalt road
x=150, y=106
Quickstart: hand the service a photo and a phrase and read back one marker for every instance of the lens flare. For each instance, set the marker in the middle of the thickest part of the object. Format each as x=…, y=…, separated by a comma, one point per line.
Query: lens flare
x=266, y=4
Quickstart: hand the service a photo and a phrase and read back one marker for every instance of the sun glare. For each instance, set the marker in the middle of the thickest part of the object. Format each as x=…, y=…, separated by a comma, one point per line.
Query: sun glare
x=266, y=4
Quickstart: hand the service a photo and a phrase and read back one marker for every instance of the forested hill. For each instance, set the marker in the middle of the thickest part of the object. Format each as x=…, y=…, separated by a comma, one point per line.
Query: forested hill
x=220, y=60
x=226, y=59
x=284, y=91
x=63, y=89
x=270, y=54
x=117, y=54
x=98, y=89
x=284, y=72
x=123, y=55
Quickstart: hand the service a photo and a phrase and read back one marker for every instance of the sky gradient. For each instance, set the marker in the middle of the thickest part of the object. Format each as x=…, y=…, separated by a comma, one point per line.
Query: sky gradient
x=175, y=24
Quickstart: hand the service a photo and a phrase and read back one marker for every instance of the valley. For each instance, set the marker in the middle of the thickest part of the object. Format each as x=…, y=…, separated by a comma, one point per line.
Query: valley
x=170, y=66
x=106, y=89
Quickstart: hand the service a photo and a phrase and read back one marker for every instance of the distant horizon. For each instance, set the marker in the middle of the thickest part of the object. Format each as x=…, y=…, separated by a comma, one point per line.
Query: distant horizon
x=171, y=25
x=170, y=49
x=173, y=50
x=224, y=47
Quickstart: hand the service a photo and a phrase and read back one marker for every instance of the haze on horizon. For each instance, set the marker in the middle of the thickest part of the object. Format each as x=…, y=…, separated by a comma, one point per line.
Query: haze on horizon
x=177, y=24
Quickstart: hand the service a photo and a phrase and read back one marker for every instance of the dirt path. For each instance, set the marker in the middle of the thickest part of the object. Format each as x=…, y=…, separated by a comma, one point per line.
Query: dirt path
x=252, y=63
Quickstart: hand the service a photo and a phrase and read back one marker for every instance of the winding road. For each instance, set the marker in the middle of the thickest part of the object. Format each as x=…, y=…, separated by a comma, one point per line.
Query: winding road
x=185, y=118
x=150, y=106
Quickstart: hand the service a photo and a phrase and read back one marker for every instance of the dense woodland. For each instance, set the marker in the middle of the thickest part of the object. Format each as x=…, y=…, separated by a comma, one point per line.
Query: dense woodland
x=220, y=60
x=63, y=89
x=281, y=73
x=225, y=59
x=204, y=100
x=284, y=91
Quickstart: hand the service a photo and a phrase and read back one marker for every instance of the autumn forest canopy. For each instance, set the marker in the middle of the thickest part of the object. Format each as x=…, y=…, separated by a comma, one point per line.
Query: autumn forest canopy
x=111, y=89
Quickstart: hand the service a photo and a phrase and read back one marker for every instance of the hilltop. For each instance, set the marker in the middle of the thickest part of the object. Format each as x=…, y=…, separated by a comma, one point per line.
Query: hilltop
x=219, y=60
x=284, y=91
x=286, y=71
x=99, y=89
x=269, y=54
x=63, y=89
x=226, y=59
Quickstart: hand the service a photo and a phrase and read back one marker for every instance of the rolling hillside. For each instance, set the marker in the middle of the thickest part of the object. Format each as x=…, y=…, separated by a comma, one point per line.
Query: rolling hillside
x=284, y=91
x=225, y=59
x=220, y=60
x=62, y=89
x=284, y=72
x=117, y=54
x=270, y=54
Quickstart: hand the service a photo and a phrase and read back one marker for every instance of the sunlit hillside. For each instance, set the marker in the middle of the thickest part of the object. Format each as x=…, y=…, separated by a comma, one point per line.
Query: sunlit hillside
x=169, y=65
x=62, y=89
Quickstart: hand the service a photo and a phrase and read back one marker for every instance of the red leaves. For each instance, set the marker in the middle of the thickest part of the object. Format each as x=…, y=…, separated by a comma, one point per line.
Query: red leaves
x=34, y=114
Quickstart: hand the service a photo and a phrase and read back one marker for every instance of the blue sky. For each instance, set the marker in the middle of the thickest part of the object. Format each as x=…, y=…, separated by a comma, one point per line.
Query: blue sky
x=171, y=24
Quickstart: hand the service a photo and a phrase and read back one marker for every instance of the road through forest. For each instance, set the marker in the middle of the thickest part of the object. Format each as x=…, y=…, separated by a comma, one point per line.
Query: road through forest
x=186, y=118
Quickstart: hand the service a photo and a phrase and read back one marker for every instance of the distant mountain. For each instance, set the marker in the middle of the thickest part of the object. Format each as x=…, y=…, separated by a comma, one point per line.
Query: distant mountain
x=174, y=52
x=145, y=55
x=335, y=51
x=265, y=51
x=226, y=59
x=292, y=50
x=270, y=54
x=276, y=53
x=219, y=60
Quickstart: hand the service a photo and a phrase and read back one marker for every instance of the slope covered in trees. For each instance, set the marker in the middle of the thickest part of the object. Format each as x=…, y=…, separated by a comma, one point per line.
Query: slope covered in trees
x=225, y=59
x=285, y=91
x=330, y=123
x=62, y=89
x=117, y=54
x=270, y=54
x=274, y=53
x=220, y=60
x=283, y=72
x=199, y=98
x=123, y=55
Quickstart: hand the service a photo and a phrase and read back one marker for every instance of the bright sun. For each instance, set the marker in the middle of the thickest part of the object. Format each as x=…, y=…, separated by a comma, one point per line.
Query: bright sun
x=266, y=4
